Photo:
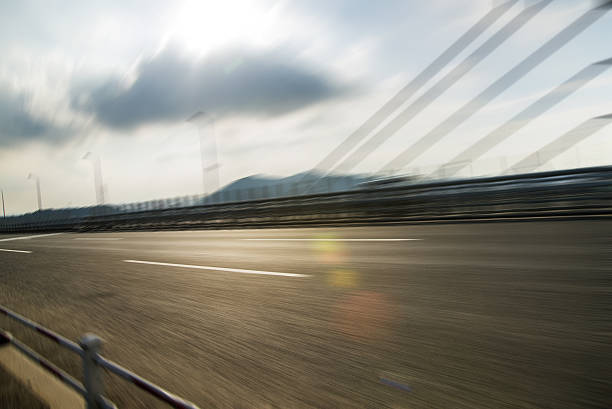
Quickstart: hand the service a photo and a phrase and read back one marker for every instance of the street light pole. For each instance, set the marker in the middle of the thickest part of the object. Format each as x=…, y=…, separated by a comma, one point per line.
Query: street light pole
x=3, y=208
x=202, y=161
x=39, y=196
x=98, y=184
x=200, y=119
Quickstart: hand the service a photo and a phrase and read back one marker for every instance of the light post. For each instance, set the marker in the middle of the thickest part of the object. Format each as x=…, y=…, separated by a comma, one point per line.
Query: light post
x=98, y=184
x=3, y=208
x=39, y=197
x=200, y=120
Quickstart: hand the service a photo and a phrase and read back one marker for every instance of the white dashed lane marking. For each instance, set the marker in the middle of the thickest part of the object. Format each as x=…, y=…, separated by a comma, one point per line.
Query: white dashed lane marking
x=29, y=237
x=99, y=238
x=226, y=269
x=290, y=239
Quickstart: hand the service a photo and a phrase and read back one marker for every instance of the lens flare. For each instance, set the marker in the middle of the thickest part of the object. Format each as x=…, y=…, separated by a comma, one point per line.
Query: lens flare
x=364, y=315
x=342, y=278
x=329, y=252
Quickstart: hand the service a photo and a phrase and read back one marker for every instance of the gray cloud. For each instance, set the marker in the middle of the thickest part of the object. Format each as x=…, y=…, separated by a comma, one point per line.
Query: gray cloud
x=18, y=125
x=171, y=87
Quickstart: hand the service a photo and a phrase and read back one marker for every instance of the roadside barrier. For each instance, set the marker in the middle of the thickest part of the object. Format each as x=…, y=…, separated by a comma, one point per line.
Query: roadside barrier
x=554, y=195
x=88, y=349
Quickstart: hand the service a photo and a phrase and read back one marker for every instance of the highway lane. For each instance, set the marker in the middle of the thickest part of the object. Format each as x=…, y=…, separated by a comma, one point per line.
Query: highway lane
x=498, y=315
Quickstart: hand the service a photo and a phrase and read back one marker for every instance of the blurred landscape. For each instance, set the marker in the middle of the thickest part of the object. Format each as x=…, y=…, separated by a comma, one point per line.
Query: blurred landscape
x=305, y=204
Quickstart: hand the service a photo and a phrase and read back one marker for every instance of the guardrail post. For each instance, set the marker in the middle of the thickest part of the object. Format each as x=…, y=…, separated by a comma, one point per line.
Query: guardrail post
x=92, y=373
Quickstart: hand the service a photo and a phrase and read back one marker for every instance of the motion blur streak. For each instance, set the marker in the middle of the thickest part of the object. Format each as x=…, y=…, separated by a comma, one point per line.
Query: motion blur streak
x=413, y=86
x=502, y=84
x=561, y=144
x=450, y=79
x=523, y=118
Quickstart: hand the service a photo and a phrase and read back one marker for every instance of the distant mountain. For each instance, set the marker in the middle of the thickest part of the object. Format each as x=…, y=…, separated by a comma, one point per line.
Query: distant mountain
x=264, y=186
x=59, y=214
x=249, y=188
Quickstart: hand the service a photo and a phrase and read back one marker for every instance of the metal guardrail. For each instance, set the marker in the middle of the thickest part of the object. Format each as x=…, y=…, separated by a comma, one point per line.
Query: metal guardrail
x=89, y=350
x=58, y=339
x=6, y=337
x=543, y=194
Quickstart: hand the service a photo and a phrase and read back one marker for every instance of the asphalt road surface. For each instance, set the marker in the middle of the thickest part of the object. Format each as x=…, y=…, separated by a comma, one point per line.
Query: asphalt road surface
x=500, y=315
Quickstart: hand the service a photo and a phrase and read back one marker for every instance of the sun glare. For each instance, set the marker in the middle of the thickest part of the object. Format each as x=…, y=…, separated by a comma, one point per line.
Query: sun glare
x=205, y=25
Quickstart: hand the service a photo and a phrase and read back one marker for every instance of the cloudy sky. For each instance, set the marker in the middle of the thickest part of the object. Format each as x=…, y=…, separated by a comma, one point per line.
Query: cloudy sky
x=283, y=82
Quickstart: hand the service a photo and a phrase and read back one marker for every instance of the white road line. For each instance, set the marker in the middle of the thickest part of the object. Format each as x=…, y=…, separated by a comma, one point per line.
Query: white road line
x=15, y=251
x=231, y=270
x=30, y=237
x=99, y=238
x=332, y=239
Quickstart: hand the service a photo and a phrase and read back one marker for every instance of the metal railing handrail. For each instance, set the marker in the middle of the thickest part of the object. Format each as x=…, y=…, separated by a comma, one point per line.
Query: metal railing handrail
x=55, y=371
x=145, y=385
x=58, y=339
x=89, y=351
